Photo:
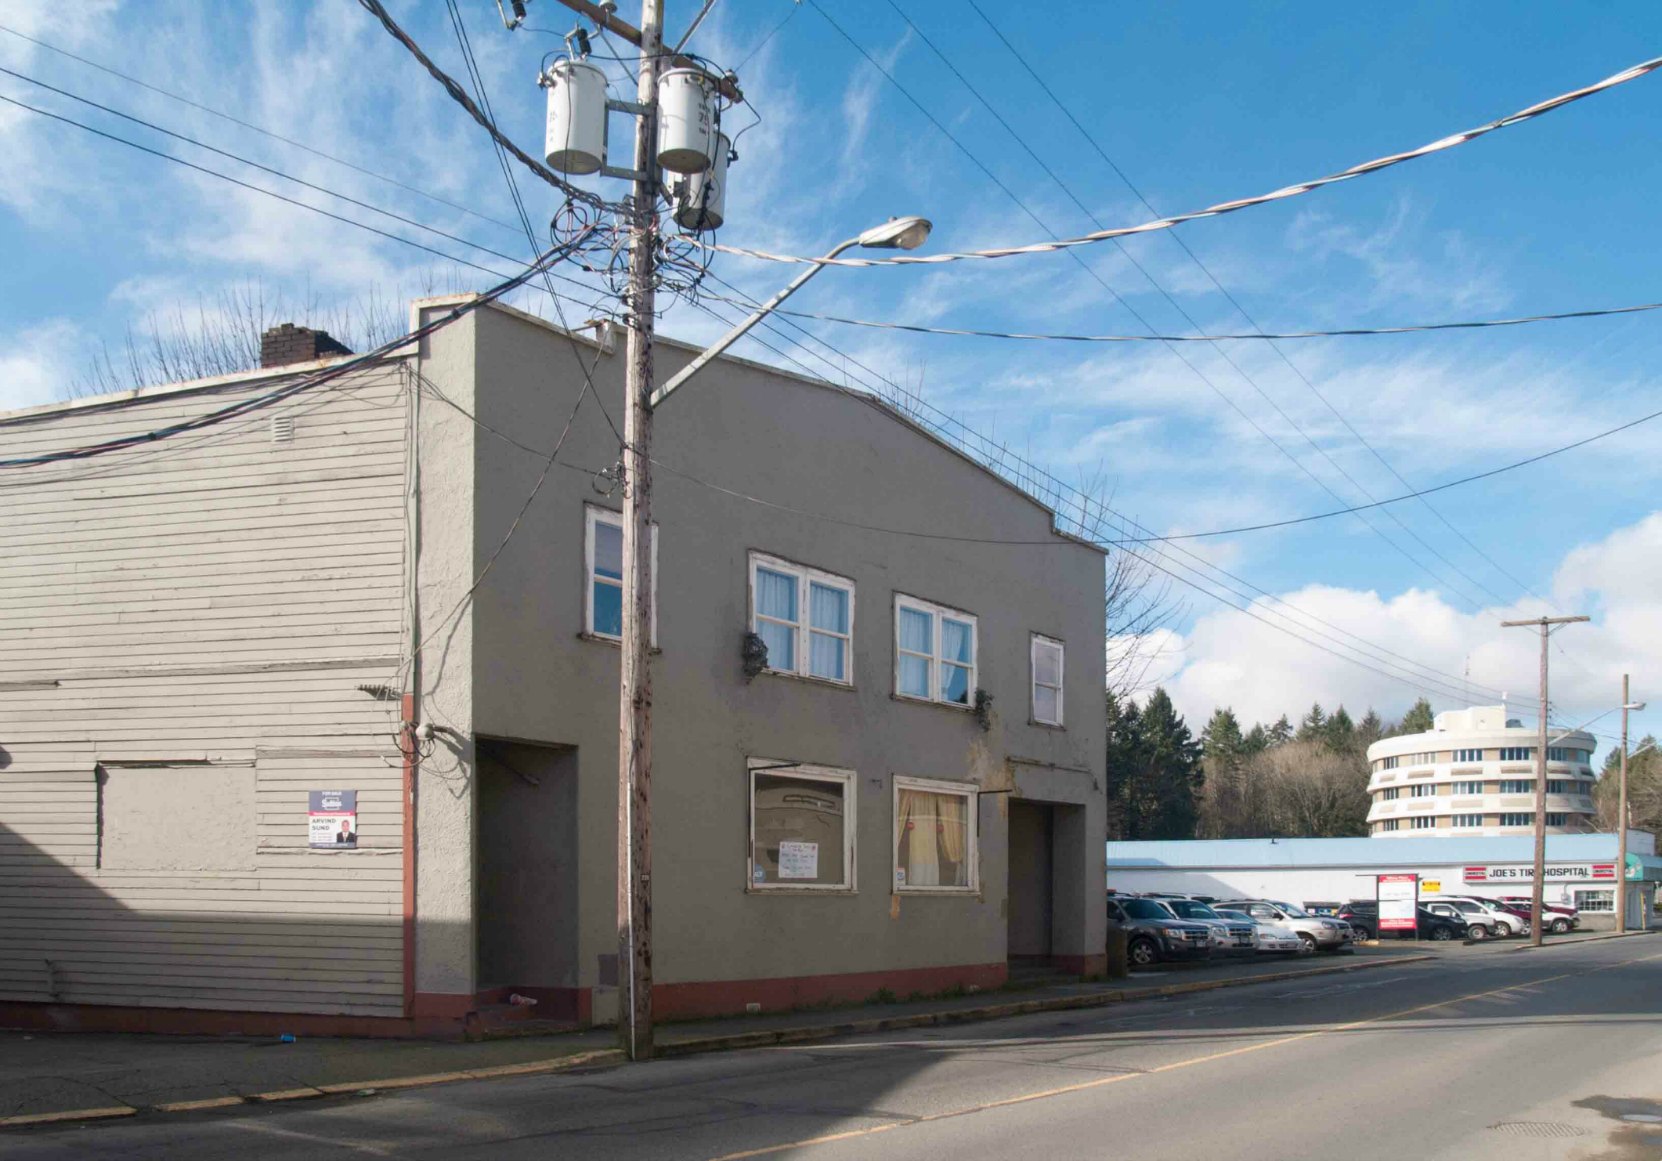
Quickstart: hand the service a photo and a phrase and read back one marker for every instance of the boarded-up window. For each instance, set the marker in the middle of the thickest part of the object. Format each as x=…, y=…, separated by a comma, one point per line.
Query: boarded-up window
x=175, y=818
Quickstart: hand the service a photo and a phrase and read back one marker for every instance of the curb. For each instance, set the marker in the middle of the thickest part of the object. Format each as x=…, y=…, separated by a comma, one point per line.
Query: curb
x=763, y=1039
x=603, y=1056
x=759, y=1039
x=1600, y=938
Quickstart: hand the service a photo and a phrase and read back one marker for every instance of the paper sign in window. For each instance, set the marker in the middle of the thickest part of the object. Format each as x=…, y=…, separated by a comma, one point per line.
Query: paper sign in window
x=798, y=860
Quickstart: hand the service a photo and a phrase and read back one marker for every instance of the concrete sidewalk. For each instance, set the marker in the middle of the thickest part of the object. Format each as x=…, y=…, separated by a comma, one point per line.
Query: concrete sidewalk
x=49, y=1077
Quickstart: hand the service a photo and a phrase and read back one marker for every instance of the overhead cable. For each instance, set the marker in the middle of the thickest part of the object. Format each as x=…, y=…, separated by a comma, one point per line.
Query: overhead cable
x=1177, y=237
x=1344, y=332
x=287, y=390
x=459, y=95
x=224, y=116
x=1541, y=108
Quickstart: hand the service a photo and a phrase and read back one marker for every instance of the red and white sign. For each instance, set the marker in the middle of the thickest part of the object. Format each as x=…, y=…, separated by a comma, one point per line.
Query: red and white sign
x=1399, y=900
x=1555, y=873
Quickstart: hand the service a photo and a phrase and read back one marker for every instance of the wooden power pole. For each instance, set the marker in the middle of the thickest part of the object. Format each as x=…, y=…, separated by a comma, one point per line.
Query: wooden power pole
x=634, y=819
x=1621, y=824
x=1537, y=893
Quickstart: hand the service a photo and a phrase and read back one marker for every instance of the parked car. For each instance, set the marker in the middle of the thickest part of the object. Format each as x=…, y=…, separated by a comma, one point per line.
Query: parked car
x=1442, y=928
x=1480, y=925
x=1154, y=934
x=1269, y=938
x=1508, y=920
x=1363, y=917
x=1228, y=935
x=1317, y=934
x=1561, y=917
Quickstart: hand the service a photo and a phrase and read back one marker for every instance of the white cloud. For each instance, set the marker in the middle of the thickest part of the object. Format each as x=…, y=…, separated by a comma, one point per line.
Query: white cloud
x=1229, y=658
x=37, y=364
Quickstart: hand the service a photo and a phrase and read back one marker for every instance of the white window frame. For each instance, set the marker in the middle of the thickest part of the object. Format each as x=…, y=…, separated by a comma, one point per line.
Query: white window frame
x=937, y=667
x=594, y=514
x=806, y=578
x=1040, y=641
x=972, y=828
x=811, y=773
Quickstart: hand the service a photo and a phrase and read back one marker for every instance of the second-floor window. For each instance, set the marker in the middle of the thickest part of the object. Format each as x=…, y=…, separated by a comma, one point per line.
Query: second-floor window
x=1423, y=790
x=1422, y=823
x=1468, y=755
x=1516, y=753
x=805, y=617
x=1468, y=820
x=1517, y=786
x=1389, y=795
x=935, y=651
x=603, y=571
x=1517, y=818
x=1047, y=680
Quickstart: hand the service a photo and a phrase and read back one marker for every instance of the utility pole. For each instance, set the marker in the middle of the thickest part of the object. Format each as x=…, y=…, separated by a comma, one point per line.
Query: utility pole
x=1537, y=892
x=1621, y=824
x=634, y=819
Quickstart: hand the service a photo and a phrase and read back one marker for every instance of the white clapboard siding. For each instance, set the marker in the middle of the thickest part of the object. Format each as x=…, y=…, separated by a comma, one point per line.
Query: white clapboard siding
x=208, y=603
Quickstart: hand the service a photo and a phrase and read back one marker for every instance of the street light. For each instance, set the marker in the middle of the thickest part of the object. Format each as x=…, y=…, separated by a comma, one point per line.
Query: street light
x=895, y=234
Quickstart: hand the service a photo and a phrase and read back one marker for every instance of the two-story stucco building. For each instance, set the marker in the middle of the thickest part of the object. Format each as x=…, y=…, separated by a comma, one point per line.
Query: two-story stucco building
x=1473, y=773
x=308, y=719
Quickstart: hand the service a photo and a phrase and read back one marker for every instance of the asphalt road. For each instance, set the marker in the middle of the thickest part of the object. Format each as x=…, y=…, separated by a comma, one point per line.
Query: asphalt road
x=1521, y=1055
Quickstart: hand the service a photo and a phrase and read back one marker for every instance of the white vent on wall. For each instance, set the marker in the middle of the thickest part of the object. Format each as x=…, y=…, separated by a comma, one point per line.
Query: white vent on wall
x=282, y=428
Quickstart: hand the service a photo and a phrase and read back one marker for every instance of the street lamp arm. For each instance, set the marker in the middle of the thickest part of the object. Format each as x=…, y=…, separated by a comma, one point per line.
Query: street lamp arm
x=1637, y=705
x=727, y=340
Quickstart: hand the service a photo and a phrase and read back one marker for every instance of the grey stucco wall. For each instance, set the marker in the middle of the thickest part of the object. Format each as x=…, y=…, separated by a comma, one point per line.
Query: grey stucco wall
x=801, y=446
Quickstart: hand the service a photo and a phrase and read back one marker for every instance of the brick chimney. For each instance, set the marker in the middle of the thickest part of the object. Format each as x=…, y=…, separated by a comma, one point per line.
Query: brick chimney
x=288, y=343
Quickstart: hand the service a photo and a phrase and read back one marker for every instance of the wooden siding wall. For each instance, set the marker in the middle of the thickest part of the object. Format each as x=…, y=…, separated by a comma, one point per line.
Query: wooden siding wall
x=212, y=600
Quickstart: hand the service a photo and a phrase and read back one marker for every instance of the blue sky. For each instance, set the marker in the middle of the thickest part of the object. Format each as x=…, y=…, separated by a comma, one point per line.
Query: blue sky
x=1194, y=103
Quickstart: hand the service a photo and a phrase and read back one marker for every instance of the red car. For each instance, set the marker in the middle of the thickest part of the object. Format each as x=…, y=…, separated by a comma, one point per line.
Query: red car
x=1560, y=917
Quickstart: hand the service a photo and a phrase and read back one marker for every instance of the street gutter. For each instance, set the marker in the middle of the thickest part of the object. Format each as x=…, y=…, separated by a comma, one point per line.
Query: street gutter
x=610, y=1057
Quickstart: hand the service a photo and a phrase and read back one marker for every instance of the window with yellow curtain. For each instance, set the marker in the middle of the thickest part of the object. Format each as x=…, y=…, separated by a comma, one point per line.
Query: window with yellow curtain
x=934, y=836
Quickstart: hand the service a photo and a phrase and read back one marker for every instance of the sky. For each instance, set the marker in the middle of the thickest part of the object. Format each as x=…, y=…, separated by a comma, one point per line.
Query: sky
x=1185, y=106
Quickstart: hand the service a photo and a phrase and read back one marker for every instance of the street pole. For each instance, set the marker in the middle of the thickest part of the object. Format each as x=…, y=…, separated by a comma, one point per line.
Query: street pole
x=1621, y=824
x=634, y=819
x=1537, y=891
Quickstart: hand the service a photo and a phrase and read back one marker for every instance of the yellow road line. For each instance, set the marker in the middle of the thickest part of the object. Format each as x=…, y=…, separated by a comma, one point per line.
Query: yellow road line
x=1102, y=1082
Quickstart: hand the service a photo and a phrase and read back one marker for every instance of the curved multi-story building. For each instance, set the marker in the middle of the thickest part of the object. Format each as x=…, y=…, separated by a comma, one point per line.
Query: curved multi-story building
x=1473, y=773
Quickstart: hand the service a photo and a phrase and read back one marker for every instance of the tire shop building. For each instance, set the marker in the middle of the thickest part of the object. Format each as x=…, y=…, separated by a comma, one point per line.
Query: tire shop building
x=1580, y=869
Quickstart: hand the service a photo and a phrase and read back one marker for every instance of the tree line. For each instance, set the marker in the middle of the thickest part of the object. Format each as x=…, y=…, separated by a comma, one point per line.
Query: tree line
x=1273, y=780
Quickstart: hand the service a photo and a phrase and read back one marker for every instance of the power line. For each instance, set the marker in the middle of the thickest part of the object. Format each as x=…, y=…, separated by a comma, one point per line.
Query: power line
x=1228, y=358
x=459, y=95
x=1541, y=108
x=1247, y=336
x=1053, y=494
x=1077, y=259
x=304, y=383
x=223, y=116
x=285, y=176
x=1177, y=237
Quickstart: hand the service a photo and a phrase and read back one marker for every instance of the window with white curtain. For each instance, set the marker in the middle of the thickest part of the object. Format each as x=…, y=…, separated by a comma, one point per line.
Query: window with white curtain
x=805, y=617
x=1047, y=680
x=935, y=652
x=603, y=574
x=934, y=836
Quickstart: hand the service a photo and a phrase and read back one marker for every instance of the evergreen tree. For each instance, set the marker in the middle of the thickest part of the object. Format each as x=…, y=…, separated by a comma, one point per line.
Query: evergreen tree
x=1124, y=763
x=1256, y=741
x=1223, y=751
x=1282, y=732
x=1369, y=730
x=1418, y=720
x=1174, y=776
x=1313, y=727
x=1340, y=732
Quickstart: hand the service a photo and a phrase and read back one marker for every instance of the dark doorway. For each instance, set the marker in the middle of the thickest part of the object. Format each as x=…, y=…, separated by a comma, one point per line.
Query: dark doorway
x=1031, y=884
x=527, y=882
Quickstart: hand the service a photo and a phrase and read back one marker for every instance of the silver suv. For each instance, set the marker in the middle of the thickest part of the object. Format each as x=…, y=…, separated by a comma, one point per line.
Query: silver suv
x=1316, y=933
